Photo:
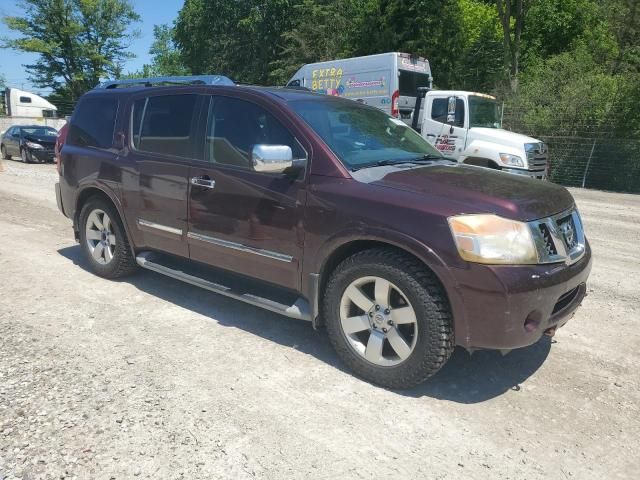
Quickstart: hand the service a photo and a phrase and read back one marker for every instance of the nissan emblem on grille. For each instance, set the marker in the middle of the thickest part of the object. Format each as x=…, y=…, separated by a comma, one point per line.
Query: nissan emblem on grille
x=569, y=234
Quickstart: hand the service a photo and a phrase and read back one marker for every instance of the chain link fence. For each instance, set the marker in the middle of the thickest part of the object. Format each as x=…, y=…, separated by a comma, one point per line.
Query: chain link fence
x=589, y=156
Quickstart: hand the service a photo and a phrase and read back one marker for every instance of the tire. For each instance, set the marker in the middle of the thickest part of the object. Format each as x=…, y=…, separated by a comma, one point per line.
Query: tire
x=108, y=254
x=24, y=155
x=3, y=150
x=428, y=341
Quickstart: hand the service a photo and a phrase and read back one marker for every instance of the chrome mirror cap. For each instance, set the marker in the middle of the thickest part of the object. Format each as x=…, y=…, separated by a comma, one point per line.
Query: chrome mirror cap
x=271, y=158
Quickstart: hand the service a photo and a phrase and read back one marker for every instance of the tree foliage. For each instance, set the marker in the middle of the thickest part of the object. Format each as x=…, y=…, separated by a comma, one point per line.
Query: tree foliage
x=166, y=59
x=78, y=42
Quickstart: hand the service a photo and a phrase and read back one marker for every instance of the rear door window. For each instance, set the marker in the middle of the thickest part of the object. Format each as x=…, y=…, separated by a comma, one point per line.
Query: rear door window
x=93, y=122
x=165, y=124
x=410, y=81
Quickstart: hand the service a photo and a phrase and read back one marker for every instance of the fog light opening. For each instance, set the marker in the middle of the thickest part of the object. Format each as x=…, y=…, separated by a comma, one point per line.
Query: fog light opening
x=532, y=321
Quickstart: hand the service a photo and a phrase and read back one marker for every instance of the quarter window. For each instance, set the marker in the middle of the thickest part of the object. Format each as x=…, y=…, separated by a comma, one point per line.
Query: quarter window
x=93, y=123
x=25, y=99
x=164, y=124
x=235, y=126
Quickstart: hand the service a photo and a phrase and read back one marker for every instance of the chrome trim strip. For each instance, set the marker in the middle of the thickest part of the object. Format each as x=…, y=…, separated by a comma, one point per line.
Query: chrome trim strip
x=240, y=247
x=157, y=226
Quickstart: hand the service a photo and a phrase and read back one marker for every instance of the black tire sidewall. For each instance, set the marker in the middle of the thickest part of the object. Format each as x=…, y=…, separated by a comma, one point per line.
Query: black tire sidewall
x=411, y=371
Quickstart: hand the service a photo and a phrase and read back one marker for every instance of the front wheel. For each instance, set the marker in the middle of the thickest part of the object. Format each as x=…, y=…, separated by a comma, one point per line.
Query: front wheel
x=388, y=318
x=26, y=157
x=104, y=240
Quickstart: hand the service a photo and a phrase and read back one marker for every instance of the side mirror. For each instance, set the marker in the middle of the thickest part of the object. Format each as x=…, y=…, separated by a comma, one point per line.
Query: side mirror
x=271, y=158
x=451, y=110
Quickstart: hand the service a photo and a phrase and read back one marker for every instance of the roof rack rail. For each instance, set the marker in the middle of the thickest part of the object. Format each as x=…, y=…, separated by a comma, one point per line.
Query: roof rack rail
x=154, y=81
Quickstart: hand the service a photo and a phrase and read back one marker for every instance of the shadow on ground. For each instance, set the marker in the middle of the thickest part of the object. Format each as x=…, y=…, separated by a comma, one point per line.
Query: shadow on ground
x=464, y=379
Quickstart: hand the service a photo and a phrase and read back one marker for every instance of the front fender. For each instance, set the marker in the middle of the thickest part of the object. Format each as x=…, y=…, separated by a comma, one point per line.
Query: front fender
x=488, y=150
x=408, y=244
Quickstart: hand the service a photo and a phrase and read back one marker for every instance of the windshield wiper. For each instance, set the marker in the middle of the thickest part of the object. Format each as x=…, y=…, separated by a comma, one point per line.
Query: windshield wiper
x=426, y=158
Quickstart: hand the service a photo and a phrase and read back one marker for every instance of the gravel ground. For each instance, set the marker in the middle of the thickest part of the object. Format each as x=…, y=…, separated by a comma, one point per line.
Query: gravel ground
x=150, y=378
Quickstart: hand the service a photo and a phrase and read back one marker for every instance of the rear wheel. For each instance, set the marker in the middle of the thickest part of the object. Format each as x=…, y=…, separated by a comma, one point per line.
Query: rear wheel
x=388, y=318
x=3, y=151
x=104, y=240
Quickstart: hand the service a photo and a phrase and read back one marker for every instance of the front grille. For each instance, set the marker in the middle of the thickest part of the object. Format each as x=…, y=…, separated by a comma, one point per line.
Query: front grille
x=559, y=238
x=537, y=156
x=549, y=246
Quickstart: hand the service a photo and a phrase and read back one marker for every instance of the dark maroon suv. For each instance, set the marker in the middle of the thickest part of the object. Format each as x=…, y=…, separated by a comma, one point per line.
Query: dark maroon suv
x=325, y=210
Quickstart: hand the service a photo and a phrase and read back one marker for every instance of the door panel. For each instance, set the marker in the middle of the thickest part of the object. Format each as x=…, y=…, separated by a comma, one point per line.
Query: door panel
x=245, y=221
x=248, y=222
x=448, y=136
x=163, y=140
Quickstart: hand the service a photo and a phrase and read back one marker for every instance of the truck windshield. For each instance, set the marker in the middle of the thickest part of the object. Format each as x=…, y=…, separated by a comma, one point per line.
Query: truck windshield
x=410, y=81
x=363, y=136
x=483, y=112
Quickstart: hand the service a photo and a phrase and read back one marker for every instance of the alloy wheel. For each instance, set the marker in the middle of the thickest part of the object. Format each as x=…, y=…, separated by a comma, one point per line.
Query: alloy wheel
x=378, y=321
x=100, y=237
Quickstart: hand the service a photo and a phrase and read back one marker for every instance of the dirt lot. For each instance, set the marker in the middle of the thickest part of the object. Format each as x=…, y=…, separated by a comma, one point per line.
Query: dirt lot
x=150, y=378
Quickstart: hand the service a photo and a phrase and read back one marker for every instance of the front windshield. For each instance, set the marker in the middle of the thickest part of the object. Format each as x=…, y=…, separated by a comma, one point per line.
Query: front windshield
x=363, y=136
x=483, y=112
x=39, y=132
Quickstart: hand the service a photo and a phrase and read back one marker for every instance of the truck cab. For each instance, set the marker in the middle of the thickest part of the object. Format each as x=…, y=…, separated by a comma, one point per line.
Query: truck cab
x=467, y=127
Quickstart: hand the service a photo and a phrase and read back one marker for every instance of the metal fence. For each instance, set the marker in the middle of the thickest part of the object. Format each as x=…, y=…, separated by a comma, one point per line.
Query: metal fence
x=588, y=156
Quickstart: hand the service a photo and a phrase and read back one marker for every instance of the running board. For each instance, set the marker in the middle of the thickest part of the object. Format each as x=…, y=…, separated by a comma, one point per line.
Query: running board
x=299, y=310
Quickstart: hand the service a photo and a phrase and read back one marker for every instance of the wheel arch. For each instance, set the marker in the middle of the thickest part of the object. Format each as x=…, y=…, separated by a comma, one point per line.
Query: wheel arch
x=420, y=253
x=93, y=191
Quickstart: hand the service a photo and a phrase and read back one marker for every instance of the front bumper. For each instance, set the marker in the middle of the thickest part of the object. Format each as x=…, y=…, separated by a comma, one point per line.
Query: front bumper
x=42, y=155
x=506, y=307
x=537, y=174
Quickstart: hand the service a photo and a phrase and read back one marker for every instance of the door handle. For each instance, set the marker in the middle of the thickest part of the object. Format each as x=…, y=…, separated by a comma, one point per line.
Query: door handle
x=203, y=181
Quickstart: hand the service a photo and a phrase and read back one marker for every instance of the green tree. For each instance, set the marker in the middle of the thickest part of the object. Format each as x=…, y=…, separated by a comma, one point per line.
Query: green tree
x=512, y=14
x=166, y=59
x=323, y=30
x=78, y=42
x=430, y=28
x=238, y=38
x=480, y=66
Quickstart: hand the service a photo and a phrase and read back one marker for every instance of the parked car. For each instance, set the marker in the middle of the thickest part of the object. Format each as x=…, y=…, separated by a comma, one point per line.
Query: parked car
x=31, y=143
x=321, y=209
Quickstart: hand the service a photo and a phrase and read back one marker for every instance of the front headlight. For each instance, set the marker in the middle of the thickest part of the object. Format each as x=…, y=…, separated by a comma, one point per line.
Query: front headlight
x=35, y=146
x=511, y=160
x=494, y=240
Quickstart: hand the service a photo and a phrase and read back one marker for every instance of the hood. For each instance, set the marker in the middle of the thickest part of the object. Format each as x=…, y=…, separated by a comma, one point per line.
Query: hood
x=455, y=188
x=41, y=139
x=502, y=136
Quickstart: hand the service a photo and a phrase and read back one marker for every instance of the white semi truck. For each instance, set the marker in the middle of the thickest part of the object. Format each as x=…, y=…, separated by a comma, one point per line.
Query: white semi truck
x=464, y=126
x=18, y=103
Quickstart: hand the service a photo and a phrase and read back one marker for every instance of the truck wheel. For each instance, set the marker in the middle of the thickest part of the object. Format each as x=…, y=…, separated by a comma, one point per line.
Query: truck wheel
x=104, y=241
x=388, y=318
x=3, y=150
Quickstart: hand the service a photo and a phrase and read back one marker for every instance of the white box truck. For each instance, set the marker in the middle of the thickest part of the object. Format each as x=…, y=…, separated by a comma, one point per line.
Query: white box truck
x=388, y=81
x=464, y=126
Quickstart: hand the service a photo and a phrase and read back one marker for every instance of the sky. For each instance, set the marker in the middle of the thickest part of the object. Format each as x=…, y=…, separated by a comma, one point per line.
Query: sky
x=152, y=12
